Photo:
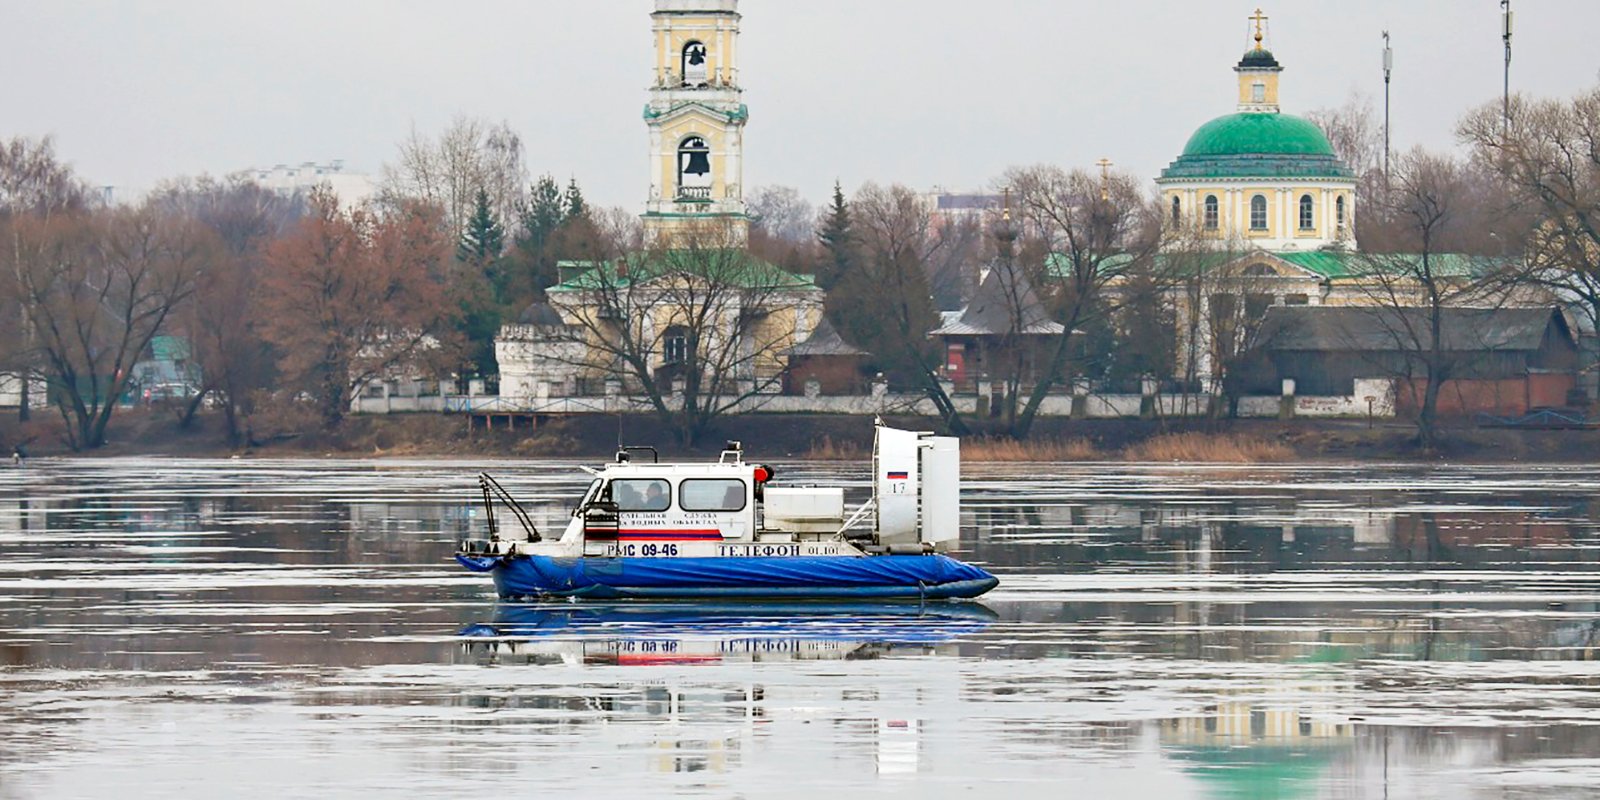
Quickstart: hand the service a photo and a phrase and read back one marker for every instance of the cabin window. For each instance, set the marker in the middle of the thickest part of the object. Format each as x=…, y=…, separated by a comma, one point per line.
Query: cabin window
x=1307, y=212
x=694, y=64
x=1211, y=212
x=1258, y=213
x=711, y=494
x=641, y=494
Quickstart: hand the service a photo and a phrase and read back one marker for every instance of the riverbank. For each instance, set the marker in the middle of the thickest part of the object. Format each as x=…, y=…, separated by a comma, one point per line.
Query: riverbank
x=154, y=432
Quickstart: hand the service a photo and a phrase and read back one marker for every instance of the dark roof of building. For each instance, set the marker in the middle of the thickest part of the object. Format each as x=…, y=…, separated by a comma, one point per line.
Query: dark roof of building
x=1259, y=58
x=540, y=314
x=1003, y=304
x=825, y=341
x=1376, y=329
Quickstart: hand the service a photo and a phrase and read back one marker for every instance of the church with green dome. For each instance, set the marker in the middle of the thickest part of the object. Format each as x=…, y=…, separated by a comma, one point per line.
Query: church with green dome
x=1259, y=178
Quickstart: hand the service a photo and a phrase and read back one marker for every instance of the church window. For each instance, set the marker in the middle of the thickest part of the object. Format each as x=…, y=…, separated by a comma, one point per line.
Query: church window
x=1307, y=217
x=694, y=169
x=1258, y=93
x=1338, y=211
x=694, y=64
x=1211, y=212
x=675, y=346
x=1177, y=212
x=1258, y=213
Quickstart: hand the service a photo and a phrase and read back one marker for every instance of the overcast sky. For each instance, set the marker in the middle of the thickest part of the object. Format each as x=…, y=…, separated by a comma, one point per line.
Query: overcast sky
x=923, y=92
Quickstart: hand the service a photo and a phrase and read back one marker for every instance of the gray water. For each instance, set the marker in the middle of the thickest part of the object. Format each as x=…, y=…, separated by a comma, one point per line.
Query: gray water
x=297, y=629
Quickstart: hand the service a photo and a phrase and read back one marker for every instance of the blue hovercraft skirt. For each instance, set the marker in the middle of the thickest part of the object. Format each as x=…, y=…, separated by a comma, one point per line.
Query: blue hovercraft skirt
x=910, y=577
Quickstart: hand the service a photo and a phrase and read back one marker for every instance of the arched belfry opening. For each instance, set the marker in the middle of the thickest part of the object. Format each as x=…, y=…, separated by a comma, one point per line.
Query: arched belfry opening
x=694, y=169
x=694, y=67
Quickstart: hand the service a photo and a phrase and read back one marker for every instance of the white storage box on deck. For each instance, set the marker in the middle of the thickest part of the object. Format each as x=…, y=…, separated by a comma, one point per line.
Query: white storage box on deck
x=793, y=508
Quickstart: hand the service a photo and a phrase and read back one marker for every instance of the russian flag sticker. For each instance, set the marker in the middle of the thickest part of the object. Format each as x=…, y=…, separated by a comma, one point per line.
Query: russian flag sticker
x=898, y=476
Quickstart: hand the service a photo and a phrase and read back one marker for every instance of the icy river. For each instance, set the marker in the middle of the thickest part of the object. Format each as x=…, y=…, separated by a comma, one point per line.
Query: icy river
x=192, y=628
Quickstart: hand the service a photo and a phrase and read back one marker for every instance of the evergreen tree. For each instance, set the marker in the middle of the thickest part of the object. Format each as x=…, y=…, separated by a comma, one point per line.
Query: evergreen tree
x=480, y=291
x=576, y=206
x=544, y=213
x=483, y=240
x=837, y=239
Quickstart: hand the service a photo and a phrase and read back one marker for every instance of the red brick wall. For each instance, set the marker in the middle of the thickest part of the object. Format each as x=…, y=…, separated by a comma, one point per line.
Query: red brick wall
x=1507, y=396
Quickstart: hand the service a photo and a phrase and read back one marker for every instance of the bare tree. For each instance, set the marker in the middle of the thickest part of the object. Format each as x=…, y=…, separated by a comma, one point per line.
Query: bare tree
x=1428, y=214
x=781, y=213
x=693, y=323
x=448, y=172
x=223, y=320
x=1549, y=159
x=884, y=303
x=100, y=286
x=350, y=298
x=33, y=180
x=1094, y=233
x=1356, y=133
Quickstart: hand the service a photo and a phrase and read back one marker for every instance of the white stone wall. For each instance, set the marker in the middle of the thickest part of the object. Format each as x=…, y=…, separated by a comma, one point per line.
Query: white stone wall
x=1381, y=390
x=536, y=364
x=11, y=393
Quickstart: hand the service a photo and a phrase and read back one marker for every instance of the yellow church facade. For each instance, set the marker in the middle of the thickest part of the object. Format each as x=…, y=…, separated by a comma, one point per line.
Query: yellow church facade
x=1260, y=178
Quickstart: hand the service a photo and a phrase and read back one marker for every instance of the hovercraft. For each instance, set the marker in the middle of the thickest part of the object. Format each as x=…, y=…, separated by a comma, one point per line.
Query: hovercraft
x=646, y=529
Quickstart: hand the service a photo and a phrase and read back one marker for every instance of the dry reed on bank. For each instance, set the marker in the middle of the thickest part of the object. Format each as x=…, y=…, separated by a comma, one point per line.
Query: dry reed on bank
x=826, y=449
x=1205, y=447
x=995, y=449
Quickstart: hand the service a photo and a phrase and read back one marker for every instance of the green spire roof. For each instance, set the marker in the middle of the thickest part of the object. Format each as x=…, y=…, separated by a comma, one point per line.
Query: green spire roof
x=1257, y=145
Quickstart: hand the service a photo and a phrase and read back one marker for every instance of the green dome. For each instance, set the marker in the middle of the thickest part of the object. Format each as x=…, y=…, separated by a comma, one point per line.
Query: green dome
x=1239, y=134
x=1257, y=145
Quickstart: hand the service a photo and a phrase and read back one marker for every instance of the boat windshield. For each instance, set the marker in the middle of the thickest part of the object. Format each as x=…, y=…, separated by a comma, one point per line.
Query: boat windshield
x=590, y=493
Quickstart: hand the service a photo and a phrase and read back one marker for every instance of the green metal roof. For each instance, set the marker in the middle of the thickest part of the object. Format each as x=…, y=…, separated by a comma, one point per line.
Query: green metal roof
x=734, y=266
x=170, y=348
x=1257, y=145
x=1328, y=264
x=1334, y=264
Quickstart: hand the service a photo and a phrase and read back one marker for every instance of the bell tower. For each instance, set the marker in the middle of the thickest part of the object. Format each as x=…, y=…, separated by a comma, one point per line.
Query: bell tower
x=696, y=118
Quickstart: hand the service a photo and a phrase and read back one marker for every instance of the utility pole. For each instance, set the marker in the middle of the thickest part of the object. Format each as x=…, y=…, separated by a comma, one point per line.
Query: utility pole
x=1505, y=33
x=1388, y=66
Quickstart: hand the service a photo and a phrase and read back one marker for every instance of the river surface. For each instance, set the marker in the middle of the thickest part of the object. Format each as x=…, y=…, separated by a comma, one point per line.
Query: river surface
x=296, y=629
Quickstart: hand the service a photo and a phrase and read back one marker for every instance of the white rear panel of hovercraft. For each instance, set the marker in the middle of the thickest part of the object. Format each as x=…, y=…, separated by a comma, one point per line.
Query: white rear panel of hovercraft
x=917, y=483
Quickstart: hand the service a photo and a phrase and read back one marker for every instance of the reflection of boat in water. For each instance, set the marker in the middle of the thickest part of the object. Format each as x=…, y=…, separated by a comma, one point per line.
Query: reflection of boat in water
x=702, y=633
x=721, y=530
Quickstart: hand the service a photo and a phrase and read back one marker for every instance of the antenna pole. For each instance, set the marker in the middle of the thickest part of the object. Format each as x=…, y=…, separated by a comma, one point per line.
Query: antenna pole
x=1388, y=66
x=1505, y=33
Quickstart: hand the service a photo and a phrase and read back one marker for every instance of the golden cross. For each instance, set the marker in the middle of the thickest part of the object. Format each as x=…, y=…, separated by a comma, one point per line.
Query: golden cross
x=1259, y=18
x=1105, y=175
